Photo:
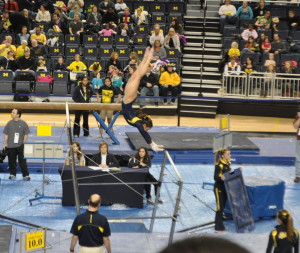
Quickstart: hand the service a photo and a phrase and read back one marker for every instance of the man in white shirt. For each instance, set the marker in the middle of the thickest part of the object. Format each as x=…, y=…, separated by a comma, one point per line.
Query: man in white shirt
x=226, y=11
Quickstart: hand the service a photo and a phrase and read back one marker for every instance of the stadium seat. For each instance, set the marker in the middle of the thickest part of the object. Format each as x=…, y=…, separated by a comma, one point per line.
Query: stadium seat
x=177, y=7
x=279, y=12
x=56, y=51
x=296, y=36
x=139, y=50
x=157, y=7
x=174, y=15
x=43, y=25
x=104, y=53
x=42, y=88
x=172, y=53
x=283, y=35
x=141, y=4
x=141, y=30
x=121, y=41
x=158, y=18
x=90, y=52
x=90, y=40
x=70, y=51
x=244, y=22
x=60, y=84
x=283, y=25
x=123, y=53
x=6, y=80
x=139, y=41
x=72, y=40
x=105, y=41
x=60, y=39
x=229, y=31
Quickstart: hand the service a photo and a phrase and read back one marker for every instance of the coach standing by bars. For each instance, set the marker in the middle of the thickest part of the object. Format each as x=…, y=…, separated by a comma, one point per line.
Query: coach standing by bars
x=297, y=162
x=82, y=94
x=91, y=229
x=15, y=134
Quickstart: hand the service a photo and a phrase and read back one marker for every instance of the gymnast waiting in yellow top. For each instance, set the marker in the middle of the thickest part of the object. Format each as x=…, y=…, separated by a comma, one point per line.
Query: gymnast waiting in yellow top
x=139, y=120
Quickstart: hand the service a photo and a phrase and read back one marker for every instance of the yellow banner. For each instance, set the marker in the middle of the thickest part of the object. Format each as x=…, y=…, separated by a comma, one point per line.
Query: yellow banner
x=35, y=240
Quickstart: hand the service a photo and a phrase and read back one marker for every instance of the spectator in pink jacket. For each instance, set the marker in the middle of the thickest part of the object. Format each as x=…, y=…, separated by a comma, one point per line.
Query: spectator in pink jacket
x=107, y=31
x=249, y=32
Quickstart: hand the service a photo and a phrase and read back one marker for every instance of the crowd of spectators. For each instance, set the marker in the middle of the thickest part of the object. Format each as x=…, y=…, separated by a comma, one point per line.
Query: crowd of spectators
x=32, y=30
x=259, y=35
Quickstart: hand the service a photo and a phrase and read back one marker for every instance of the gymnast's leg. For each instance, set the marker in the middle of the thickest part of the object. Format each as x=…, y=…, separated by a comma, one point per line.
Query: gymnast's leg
x=133, y=83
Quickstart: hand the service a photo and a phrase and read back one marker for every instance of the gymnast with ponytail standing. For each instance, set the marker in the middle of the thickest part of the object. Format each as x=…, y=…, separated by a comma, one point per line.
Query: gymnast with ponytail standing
x=139, y=119
x=284, y=238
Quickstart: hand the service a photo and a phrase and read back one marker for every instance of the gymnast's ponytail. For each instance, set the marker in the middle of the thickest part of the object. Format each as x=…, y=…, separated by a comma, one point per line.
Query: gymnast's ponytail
x=145, y=118
x=287, y=220
x=219, y=154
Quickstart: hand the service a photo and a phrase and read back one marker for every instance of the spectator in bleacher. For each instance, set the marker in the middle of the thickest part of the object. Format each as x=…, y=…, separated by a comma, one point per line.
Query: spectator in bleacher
x=82, y=94
x=245, y=11
x=288, y=68
x=234, y=50
x=264, y=22
x=170, y=81
x=134, y=59
x=77, y=65
x=114, y=60
x=8, y=62
x=120, y=6
x=260, y=9
x=177, y=27
x=21, y=49
x=126, y=16
x=149, y=82
x=267, y=82
x=11, y=6
x=117, y=80
x=270, y=60
x=261, y=39
x=104, y=5
x=266, y=45
x=249, y=32
x=63, y=17
x=48, y=5
x=226, y=11
x=249, y=66
x=107, y=92
x=39, y=36
x=94, y=19
x=110, y=17
x=159, y=51
x=75, y=11
x=60, y=65
x=73, y=3
x=24, y=35
x=16, y=20
x=232, y=65
x=95, y=67
x=123, y=30
x=277, y=45
x=56, y=26
x=26, y=62
x=172, y=40
x=30, y=16
x=140, y=17
x=43, y=15
x=7, y=46
x=156, y=34
x=41, y=66
x=293, y=22
x=38, y=50
x=251, y=46
x=76, y=26
x=97, y=82
x=107, y=31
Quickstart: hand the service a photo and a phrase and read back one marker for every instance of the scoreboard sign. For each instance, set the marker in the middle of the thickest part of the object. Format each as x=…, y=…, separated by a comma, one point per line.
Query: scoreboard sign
x=35, y=240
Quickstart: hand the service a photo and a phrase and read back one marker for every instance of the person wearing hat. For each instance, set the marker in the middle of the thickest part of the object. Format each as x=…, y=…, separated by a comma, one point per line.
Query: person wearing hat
x=169, y=81
x=296, y=124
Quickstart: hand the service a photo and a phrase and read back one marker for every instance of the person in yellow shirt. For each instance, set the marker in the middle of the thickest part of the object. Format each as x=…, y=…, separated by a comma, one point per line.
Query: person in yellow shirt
x=234, y=50
x=21, y=49
x=39, y=36
x=170, y=81
x=95, y=67
x=76, y=67
x=7, y=47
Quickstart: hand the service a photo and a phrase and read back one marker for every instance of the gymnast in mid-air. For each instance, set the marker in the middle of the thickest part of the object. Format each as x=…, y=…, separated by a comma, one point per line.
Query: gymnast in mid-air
x=139, y=119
